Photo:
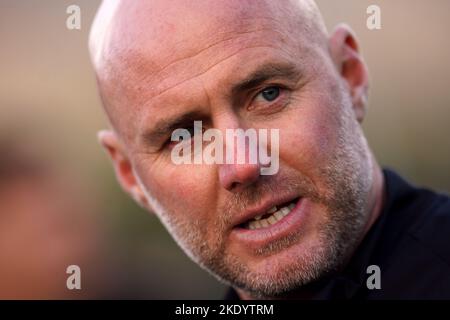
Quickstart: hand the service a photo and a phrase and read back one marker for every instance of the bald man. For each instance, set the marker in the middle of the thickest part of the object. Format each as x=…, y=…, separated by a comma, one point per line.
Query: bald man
x=329, y=223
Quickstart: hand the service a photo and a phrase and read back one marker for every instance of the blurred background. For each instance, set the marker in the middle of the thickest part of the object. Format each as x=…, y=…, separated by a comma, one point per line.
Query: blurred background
x=59, y=201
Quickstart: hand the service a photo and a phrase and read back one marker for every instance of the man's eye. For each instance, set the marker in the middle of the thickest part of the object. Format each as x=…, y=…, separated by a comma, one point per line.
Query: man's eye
x=270, y=94
x=191, y=131
x=272, y=98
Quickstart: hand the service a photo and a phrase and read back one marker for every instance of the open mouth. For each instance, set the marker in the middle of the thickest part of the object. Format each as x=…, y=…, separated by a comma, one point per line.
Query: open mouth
x=271, y=217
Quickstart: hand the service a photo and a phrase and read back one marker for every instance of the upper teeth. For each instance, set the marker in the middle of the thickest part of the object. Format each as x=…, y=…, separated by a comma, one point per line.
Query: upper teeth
x=276, y=215
x=272, y=210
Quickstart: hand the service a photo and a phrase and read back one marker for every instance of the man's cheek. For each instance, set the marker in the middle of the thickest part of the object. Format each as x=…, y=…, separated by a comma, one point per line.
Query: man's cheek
x=184, y=187
x=306, y=147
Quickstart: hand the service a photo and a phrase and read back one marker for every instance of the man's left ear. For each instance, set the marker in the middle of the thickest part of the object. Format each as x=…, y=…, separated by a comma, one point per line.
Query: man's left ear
x=351, y=66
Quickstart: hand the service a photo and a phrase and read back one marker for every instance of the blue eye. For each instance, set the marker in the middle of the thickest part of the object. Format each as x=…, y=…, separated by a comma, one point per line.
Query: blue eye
x=270, y=93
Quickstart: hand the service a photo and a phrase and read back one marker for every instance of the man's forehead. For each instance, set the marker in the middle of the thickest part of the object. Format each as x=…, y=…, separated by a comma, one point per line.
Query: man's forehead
x=164, y=31
x=147, y=47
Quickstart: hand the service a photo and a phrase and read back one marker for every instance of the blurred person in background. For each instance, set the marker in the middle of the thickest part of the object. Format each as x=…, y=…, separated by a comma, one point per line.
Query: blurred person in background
x=330, y=214
x=47, y=223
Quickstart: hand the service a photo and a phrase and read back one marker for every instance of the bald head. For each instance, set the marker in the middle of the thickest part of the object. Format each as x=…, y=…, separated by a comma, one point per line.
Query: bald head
x=136, y=46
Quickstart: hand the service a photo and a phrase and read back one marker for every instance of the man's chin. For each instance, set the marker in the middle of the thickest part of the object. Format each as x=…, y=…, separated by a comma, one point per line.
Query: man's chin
x=283, y=270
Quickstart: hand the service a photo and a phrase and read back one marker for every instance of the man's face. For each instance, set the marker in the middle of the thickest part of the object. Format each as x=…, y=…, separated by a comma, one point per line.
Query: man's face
x=244, y=70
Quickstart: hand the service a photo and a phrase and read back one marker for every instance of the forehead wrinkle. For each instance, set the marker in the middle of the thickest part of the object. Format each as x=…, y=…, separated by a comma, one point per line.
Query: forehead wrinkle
x=161, y=75
x=215, y=65
x=122, y=38
x=210, y=46
x=165, y=83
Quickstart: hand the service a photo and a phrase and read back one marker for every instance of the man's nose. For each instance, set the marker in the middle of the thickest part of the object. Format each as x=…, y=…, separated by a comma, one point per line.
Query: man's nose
x=234, y=177
x=237, y=174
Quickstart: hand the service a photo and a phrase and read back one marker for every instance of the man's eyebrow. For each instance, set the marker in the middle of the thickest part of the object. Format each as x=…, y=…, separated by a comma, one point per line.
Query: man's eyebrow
x=164, y=127
x=264, y=73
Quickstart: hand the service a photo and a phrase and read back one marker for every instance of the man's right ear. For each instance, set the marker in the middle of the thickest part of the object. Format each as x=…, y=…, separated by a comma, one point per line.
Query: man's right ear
x=122, y=166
